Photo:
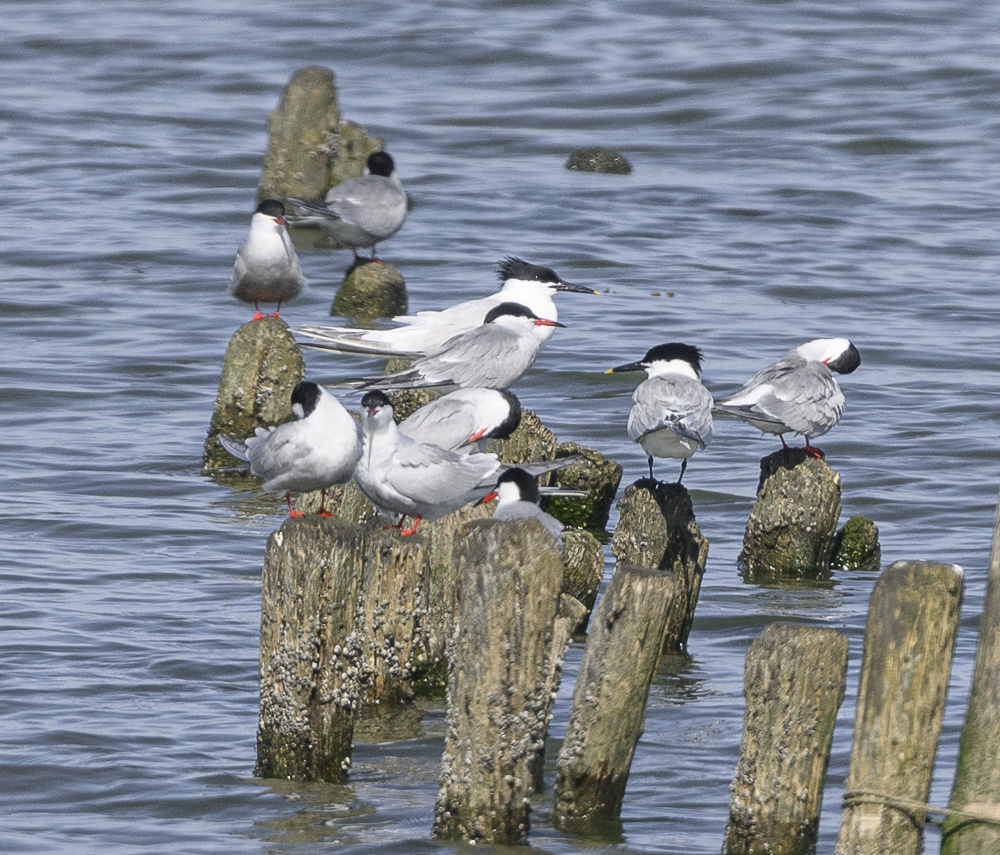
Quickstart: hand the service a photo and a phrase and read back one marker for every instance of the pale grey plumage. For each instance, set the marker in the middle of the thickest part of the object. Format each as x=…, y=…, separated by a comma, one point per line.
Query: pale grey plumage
x=671, y=413
x=464, y=420
x=798, y=393
x=315, y=452
x=530, y=285
x=359, y=212
x=267, y=267
x=494, y=355
x=402, y=476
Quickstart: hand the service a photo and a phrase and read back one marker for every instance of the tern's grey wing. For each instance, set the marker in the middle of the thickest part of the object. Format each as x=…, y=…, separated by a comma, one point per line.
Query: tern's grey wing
x=446, y=422
x=675, y=403
x=430, y=475
x=490, y=356
x=801, y=395
x=274, y=452
x=373, y=203
x=236, y=447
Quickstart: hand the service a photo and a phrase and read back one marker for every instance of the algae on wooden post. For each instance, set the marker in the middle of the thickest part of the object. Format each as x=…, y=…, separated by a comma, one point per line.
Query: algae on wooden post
x=310, y=147
x=500, y=683
x=909, y=638
x=656, y=528
x=369, y=291
x=311, y=665
x=791, y=527
x=794, y=683
x=262, y=365
x=598, y=475
x=977, y=779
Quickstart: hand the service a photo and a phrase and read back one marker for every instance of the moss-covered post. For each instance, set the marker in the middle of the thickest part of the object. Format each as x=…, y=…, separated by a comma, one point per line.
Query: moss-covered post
x=912, y=623
x=657, y=528
x=792, y=526
x=263, y=363
x=500, y=683
x=310, y=147
x=794, y=683
x=311, y=665
x=977, y=780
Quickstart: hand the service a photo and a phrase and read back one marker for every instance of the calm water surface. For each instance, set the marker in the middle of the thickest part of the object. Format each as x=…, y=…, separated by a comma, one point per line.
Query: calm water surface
x=800, y=171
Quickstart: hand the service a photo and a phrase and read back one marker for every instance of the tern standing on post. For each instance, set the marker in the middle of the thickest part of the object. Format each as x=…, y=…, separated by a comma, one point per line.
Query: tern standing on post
x=672, y=410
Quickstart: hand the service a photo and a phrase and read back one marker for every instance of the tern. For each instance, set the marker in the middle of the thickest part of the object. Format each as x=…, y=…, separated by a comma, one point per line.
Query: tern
x=359, y=212
x=421, y=334
x=517, y=497
x=400, y=475
x=672, y=410
x=315, y=452
x=797, y=393
x=465, y=420
x=493, y=355
x=267, y=266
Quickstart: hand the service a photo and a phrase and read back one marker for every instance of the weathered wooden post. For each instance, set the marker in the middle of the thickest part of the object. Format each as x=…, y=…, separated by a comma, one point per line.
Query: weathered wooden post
x=644, y=609
x=501, y=680
x=312, y=668
x=656, y=528
x=909, y=639
x=794, y=683
x=310, y=147
x=263, y=363
x=976, y=790
x=791, y=528
x=371, y=291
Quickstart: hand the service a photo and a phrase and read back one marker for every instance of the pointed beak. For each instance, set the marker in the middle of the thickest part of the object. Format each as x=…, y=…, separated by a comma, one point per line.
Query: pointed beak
x=575, y=289
x=545, y=322
x=489, y=497
x=631, y=366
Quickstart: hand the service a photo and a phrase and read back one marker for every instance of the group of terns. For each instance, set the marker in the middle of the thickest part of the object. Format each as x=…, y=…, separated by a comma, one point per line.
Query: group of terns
x=432, y=463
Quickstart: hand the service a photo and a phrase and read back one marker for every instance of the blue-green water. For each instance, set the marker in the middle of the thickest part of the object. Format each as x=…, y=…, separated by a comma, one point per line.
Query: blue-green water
x=800, y=170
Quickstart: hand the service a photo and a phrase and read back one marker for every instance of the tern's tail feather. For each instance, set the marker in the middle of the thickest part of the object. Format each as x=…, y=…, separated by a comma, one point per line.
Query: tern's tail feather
x=542, y=466
x=236, y=447
x=299, y=208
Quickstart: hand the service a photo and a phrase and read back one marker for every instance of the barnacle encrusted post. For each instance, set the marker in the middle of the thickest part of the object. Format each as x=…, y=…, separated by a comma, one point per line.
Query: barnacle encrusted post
x=794, y=683
x=909, y=639
x=792, y=526
x=506, y=659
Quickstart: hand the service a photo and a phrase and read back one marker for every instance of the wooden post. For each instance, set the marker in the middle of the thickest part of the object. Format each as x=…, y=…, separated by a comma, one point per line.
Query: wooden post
x=500, y=683
x=657, y=529
x=791, y=528
x=263, y=363
x=609, y=700
x=909, y=639
x=793, y=683
x=311, y=667
x=977, y=780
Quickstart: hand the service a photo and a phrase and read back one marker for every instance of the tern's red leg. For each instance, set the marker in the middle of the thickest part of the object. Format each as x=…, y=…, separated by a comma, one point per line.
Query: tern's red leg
x=811, y=449
x=323, y=512
x=406, y=532
x=277, y=312
x=258, y=316
x=291, y=513
x=784, y=444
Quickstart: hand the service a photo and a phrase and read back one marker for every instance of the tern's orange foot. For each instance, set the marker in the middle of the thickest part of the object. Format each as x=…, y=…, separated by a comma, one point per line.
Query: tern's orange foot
x=296, y=514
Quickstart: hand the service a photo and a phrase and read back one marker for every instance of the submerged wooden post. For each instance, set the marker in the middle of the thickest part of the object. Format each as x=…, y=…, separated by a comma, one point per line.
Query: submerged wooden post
x=976, y=790
x=657, y=529
x=794, y=683
x=792, y=526
x=909, y=639
x=263, y=363
x=500, y=683
x=311, y=666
